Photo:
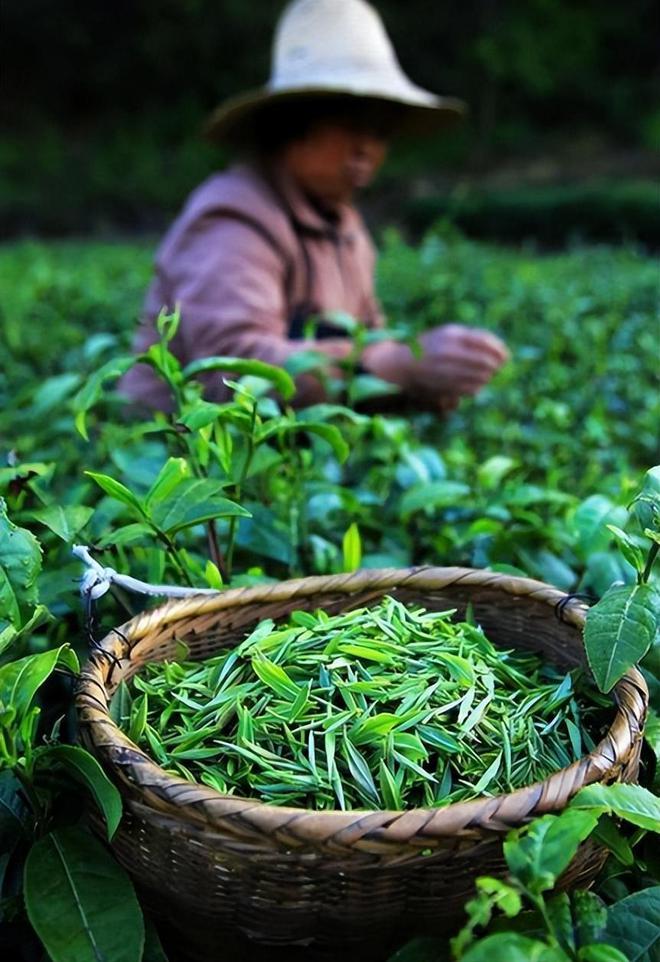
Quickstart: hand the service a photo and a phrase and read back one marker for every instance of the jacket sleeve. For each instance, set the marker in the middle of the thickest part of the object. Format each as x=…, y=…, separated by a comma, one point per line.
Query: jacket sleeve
x=229, y=284
x=370, y=308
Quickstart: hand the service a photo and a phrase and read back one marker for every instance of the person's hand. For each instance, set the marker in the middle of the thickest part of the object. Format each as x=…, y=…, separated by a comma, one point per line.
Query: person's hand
x=456, y=361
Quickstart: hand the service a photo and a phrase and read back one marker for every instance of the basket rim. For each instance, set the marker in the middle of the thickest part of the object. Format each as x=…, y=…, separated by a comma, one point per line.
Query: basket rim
x=371, y=830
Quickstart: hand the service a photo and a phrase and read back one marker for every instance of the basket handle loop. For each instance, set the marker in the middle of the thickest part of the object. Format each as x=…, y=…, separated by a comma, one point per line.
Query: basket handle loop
x=97, y=580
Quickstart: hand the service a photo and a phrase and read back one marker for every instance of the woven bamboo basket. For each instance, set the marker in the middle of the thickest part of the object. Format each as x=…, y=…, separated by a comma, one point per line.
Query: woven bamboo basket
x=221, y=868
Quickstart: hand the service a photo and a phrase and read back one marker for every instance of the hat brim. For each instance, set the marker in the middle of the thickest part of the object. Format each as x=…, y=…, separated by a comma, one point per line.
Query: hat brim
x=234, y=121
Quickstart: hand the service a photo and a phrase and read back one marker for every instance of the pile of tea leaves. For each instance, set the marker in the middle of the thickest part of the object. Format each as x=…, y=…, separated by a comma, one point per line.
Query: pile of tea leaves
x=383, y=707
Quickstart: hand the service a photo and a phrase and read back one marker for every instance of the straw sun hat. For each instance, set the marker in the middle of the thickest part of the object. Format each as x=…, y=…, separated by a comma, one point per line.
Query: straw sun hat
x=333, y=48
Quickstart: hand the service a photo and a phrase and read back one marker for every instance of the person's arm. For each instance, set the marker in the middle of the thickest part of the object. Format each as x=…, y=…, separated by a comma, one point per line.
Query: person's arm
x=456, y=361
x=229, y=283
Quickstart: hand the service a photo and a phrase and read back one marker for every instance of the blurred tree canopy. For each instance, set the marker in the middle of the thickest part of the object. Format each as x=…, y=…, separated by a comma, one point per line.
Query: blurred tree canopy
x=104, y=101
x=556, y=63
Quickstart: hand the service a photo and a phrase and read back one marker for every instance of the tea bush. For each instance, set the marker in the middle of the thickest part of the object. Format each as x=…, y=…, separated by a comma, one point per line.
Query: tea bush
x=533, y=476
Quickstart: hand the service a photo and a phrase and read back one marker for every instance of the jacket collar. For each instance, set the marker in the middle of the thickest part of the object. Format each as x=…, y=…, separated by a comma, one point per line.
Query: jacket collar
x=306, y=216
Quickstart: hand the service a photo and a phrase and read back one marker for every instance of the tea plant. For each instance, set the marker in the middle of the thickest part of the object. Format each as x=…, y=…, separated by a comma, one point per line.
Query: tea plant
x=576, y=926
x=533, y=476
x=530, y=920
x=624, y=624
x=46, y=857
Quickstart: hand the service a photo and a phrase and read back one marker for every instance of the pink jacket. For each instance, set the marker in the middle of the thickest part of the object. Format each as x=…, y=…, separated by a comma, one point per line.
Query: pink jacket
x=246, y=261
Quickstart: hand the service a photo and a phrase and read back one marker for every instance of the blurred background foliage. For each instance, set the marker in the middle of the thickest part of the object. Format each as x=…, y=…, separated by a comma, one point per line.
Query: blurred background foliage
x=104, y=104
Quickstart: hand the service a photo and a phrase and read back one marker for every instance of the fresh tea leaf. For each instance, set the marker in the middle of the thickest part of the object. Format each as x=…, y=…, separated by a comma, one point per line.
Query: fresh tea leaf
x=619, y=630
x=20, y=564
x=352, y=548
x=633, y=926
x=280, y=379
x=84, y=768
x=512, y=947
x=169, y=477
x=117, y=490
x=91, y=392
x=194, y=501
x=20, y=680
x=633, y=803
x=539, y=853
x=64, y=520
x=80, y=901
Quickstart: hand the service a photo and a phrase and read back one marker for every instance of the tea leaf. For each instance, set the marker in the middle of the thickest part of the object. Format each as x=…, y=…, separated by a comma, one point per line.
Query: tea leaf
x=352, y=548
x=117, y=490
x=80, y=901
x=539, y=853
x=632, y=925
x=20, y=564
x=619, y=630
x=64, y=521
x=192, y=502
x=280, y=379
x=169, y=477
x=83, y=767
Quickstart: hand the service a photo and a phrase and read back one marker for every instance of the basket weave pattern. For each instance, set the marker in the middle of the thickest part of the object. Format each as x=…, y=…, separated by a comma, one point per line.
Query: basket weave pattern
x=285, y=875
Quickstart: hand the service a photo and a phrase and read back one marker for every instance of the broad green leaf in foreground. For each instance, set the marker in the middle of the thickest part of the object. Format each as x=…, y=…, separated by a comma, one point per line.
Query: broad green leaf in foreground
x=619, y=630
x=20, y=563
x=80, y=901
x=9, y=634
x=20, y=680
x=511, y=947
x=635, y=804
x=84, y=768
x=633, y=926
x=539, y=853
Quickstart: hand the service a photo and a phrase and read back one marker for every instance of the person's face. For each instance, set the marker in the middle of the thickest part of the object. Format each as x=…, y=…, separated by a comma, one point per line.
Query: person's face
x=335, y=158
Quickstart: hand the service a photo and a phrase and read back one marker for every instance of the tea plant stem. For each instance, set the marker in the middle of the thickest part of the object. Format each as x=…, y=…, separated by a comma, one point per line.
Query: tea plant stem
x=174, y=554
x=215, y=550
x=217, y=557
x=238, y=489
x=653, y=552
x=31, y=795
x=7, y=748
